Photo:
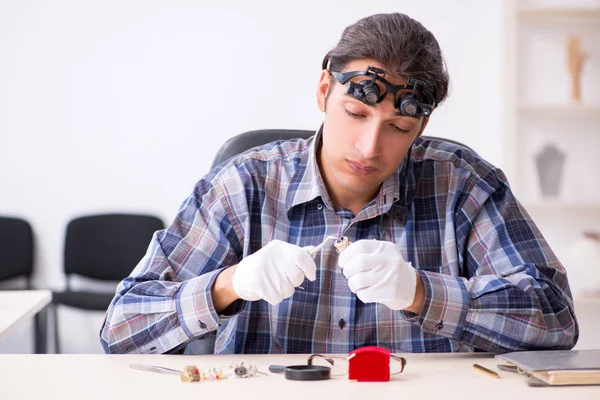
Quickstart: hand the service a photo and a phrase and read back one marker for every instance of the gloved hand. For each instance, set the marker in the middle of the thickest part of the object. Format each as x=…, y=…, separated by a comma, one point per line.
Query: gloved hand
x=273, y=272
x=377, y=273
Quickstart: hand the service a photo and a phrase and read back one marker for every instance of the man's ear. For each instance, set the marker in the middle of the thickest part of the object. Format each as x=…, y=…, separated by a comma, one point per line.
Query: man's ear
x=323, y=89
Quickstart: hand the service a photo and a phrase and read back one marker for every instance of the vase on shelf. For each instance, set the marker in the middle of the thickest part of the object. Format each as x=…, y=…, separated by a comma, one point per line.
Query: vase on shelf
x=549, y=163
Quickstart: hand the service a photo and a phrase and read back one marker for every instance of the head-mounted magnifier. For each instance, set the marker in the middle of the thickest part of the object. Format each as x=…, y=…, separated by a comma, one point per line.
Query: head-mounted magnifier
x=415, y=102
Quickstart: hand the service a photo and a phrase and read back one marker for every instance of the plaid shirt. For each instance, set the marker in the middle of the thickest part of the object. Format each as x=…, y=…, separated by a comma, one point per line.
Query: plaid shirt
x=491, y=281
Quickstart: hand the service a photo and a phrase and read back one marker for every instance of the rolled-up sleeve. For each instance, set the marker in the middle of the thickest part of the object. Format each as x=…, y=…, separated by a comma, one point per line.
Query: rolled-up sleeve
x=166, y=301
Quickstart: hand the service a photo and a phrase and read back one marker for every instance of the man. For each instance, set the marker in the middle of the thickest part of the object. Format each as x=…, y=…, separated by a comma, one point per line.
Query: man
x=442, y=257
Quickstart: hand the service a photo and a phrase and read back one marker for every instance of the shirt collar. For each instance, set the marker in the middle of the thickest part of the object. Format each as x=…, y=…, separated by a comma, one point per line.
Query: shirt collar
x=307, y=184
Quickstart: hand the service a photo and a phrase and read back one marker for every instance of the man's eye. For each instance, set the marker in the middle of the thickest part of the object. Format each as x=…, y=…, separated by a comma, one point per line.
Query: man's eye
x=354, y=115
x=397, y=128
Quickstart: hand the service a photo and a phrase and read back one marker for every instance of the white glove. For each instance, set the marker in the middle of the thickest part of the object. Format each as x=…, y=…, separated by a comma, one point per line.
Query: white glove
x=273, y=272
x=377, y=273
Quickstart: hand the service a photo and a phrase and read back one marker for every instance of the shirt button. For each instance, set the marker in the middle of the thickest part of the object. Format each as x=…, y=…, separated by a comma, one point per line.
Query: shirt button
x=440, y=326
x=342, y=323
x=202, y=325
x=320, y=206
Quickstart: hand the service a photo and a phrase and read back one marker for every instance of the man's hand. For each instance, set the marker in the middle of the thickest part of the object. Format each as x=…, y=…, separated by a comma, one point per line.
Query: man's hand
x=377, y=273
x=273, y=272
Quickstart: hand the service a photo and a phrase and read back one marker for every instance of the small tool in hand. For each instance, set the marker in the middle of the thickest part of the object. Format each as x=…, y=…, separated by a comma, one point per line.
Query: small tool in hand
x=343, y=241
x=318, y=248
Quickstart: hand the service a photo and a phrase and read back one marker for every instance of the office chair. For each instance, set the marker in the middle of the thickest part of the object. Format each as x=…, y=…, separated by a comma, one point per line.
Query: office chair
x=104, y=247
x=247, y=140
x=16, y=246
x=17, y=250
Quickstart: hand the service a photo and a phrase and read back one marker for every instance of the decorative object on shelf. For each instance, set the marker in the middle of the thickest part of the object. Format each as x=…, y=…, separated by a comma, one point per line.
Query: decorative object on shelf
x=549, y=162
x=575, y=59
x=584, y=270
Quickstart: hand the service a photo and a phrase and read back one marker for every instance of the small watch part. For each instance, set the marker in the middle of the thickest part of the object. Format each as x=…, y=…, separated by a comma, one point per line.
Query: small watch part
x=341, y=243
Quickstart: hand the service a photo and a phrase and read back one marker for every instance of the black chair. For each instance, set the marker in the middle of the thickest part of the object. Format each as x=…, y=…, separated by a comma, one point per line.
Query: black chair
x=247, y=140
x=104, y=247
x=16, y=248
x=235, y=146
x=17, y=251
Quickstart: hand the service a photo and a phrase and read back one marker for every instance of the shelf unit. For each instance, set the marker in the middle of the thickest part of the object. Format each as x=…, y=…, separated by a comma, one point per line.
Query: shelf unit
x=564, y=205
x=559, y=13
x=538, y=111
x=561, y=110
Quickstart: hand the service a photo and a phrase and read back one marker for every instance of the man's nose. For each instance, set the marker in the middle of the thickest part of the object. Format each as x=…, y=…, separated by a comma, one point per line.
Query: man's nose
x=368, y=141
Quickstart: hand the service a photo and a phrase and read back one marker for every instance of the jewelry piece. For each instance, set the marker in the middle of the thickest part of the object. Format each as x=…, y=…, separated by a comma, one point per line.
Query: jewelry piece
x=244, y=370
x=341, y=244
x=190, y=374
x=213, y=374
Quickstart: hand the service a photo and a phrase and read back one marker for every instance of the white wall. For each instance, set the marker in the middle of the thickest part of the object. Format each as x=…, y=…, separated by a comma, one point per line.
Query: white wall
x=121, y=105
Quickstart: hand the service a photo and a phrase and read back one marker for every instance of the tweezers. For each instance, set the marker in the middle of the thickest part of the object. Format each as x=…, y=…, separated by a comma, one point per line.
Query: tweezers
x=314, y=251
x=340, y=244
x=154, y=368
x=343, y=242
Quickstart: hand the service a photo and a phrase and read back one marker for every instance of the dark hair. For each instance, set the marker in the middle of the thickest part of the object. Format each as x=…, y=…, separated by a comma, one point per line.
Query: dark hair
x=401, y=44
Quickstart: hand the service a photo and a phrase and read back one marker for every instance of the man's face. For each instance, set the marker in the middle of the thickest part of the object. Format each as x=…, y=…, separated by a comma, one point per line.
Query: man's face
x=362, y=145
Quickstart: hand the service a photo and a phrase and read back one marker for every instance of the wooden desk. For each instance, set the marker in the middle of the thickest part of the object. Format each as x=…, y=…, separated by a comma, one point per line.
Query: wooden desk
x=18, y=305
x=427, y=376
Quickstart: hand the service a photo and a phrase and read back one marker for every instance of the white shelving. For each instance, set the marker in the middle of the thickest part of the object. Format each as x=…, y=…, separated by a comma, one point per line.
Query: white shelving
x=538, y=106
x=564, y=205
x=539, y=111
x=559, y=14
x=561, y=110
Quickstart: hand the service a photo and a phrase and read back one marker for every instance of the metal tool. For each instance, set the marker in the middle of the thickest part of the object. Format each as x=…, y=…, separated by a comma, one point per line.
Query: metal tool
x=531, y=381
x=318, y=248
x=154, y=368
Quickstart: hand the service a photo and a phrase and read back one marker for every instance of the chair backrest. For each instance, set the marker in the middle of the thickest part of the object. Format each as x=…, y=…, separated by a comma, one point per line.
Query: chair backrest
x=108, y=246
x=248, y=140
x=16, y=248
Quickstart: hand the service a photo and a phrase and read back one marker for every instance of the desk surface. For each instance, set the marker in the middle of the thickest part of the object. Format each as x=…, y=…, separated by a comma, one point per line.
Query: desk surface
x=17, y=305
x=427, y=376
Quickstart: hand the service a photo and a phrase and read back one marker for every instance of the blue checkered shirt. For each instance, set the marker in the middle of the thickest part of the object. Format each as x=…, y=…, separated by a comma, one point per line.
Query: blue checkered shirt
x=491, y=281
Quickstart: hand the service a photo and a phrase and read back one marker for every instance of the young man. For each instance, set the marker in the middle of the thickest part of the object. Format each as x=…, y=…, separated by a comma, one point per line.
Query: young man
x=442, y=257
